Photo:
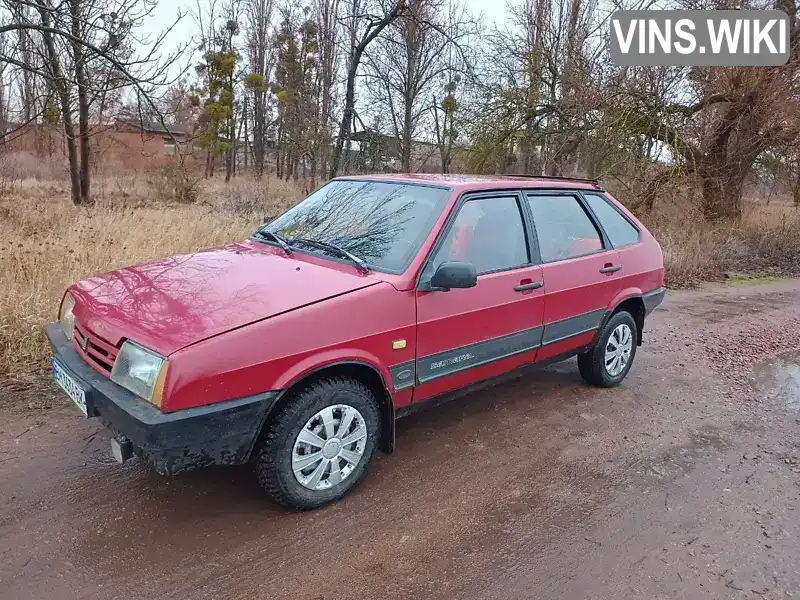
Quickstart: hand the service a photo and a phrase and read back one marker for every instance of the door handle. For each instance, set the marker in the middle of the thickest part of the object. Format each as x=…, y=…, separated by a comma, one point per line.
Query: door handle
x=533, y=285
x=611, y=269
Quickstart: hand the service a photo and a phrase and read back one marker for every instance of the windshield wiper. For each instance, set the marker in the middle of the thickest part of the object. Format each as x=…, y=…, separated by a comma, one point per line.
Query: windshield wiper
x=264, y=234
x=338, y=249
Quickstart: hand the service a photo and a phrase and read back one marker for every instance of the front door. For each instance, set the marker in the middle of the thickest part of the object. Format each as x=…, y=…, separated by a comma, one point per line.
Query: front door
x=466, y=335
x=580, y=270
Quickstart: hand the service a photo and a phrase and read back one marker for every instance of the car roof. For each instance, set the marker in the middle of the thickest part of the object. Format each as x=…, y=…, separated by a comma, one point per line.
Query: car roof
x=481, y=182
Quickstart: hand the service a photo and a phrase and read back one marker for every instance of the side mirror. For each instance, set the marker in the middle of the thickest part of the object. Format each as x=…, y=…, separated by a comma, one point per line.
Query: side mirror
x=453, y=275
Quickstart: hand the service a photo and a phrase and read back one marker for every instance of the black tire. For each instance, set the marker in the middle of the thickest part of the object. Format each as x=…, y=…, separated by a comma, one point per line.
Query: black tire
x=273, y=456
x=591, y=363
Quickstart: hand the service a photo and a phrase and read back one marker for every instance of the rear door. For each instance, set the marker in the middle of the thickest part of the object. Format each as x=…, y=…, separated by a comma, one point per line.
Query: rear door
x=580, y=270
x=466, y=335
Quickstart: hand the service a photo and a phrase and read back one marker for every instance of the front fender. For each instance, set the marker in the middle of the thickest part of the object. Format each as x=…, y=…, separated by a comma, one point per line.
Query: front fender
x=351, y=356
x=329, y=358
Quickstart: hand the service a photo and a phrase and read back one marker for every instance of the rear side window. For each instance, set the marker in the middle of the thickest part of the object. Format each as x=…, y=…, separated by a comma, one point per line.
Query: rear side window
x=618, y=228
x=563, y=228
x=488, y=232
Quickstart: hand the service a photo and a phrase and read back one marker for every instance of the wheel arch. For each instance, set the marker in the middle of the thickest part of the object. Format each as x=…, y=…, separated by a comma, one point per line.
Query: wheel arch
x=631, y=301
x=361, y=371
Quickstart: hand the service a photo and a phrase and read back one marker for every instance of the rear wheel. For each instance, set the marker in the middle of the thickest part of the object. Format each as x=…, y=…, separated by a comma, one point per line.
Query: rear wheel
x=319, y=445
x=608, y=362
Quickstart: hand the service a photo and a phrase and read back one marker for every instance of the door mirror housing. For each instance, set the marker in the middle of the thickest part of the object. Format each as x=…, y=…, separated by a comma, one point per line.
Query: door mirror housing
x=453, y=275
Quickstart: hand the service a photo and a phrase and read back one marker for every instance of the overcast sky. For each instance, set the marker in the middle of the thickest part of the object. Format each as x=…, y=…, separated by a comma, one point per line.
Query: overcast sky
x=494, y=11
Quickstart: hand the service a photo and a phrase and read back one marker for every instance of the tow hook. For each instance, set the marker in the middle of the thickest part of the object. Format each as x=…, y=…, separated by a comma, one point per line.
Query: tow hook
x=121, y=448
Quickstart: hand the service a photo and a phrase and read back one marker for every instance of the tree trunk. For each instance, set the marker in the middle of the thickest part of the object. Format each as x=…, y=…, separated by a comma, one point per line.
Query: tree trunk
x=246, y=137
x=405, y=145
x=565, y=149
x=313, y=170
x=347, y=115
x=440, y=129
x=258, y=133
x=60, y=86
x=796, y=188
x=21, y=14
x=722, y=197
x=230, y=156
x=3, y=117
x=85, y=148
x=83, y=102
x=409, y=90
x=329, y=22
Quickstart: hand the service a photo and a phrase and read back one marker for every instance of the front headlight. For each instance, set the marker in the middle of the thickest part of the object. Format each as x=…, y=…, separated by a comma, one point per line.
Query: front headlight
x=65, y=316
x=140, y=371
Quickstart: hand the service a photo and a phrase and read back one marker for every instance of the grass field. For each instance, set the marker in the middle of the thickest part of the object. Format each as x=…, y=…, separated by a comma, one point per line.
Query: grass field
x=46, y=243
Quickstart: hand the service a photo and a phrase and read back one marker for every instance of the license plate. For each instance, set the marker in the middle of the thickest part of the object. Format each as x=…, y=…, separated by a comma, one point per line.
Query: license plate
x=70, y=386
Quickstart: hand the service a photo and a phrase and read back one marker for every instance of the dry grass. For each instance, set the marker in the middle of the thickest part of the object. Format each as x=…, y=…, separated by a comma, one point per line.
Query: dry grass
x=765, y=242
x=46, y=243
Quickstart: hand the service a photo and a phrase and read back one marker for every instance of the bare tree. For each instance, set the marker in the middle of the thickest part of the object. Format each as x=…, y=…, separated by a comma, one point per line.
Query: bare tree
x=217, y=92
x=444, y=113
x=73, y=37
x=723, y=120
x=260, y=54
x=359, y=43
x=327, y=13
x=27, y=57
x=4, y=49
x=296, y=85
x=544, y=87
x=410, y=60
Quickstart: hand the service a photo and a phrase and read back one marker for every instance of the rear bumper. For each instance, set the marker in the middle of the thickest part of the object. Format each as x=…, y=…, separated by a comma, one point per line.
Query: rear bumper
x=653, y=299
x=220, y=434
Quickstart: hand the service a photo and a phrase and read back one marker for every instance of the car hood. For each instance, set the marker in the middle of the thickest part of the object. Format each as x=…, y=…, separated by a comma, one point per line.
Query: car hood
x=168, y=304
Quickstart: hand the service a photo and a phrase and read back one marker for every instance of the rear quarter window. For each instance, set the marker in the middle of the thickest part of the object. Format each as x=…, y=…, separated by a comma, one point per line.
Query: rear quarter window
x=619, y=230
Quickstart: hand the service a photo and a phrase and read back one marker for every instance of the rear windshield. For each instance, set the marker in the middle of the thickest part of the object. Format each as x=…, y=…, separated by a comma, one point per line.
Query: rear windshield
x=382, y=223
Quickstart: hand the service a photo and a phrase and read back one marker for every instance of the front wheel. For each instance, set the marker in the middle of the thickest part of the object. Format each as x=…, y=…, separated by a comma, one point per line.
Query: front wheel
x=319, y=445
x=608, y=362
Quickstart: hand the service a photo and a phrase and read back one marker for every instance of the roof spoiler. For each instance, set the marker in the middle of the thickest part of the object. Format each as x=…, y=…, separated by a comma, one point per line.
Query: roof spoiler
x=595, y=182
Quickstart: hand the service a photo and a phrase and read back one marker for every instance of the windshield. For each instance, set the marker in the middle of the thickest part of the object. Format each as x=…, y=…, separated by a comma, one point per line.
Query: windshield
x=382, y=223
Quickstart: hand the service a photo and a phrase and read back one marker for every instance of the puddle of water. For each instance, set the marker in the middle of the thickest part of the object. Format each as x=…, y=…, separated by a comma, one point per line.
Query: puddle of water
x=780, y=379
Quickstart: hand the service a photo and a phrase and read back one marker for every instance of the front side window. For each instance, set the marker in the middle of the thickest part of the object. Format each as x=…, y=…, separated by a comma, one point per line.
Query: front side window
x=618, y=229
x=488, y=233
x=382, y=223
x=563, y=228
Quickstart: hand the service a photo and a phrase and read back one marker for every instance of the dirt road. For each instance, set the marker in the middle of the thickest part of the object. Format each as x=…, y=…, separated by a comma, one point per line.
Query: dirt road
x=682, y=483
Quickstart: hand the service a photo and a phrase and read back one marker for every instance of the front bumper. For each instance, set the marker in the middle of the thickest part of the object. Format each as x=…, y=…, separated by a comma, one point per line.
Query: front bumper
x=219, y=434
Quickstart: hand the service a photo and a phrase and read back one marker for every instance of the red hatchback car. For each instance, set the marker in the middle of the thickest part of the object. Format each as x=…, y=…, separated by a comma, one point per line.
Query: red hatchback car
x=297, y=349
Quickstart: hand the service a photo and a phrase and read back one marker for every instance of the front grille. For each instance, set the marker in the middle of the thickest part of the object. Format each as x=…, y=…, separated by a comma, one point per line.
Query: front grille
x=95, y=351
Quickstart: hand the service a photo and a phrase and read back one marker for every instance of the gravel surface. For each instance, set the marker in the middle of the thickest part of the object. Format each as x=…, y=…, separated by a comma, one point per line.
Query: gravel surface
x=682, y=483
